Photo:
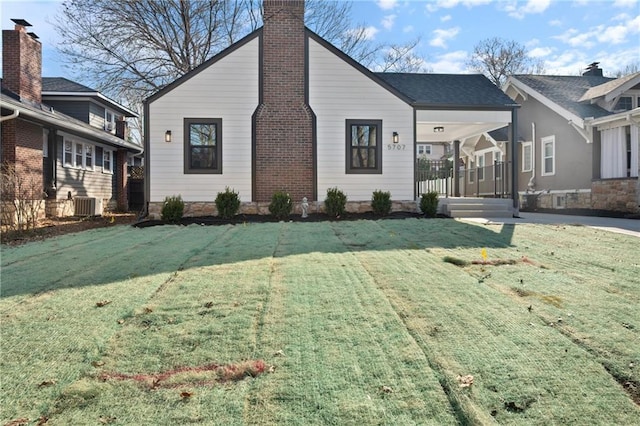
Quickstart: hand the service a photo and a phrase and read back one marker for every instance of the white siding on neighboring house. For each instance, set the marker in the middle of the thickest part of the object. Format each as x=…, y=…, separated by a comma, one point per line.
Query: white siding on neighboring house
x=339, y=92
x=227, y=89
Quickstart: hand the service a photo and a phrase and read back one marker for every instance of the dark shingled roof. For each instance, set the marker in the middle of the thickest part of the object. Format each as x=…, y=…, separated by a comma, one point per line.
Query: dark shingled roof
x=439, y=90
x=566, y=91
x=61, y=84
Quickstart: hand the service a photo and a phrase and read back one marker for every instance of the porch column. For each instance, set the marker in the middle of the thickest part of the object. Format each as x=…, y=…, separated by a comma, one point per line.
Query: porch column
x=456, y=168
x=121, y=180
x=514, y=163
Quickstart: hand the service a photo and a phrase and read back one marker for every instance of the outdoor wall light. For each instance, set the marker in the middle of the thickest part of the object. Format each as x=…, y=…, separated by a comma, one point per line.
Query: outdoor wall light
x=396, y=137
x=167, y=136
x=438, y=129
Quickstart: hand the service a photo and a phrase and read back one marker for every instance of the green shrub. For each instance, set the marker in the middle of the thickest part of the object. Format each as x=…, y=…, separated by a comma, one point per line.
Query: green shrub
x=429, y=204
x=335, y=202
x=381, y=203
x=173, y=208
x=227, y=203
x=281, y=205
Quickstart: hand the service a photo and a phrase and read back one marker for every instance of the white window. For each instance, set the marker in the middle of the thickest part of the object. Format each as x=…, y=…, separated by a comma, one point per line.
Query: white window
x=79, y=155
x=548, y=156
x=45, y=142
x=480, y=160
x=472, y=171
x=88, y=157
x=109, y=120
x=107, y=161
x=424, y=149
x=68, y=153
x=527, y=156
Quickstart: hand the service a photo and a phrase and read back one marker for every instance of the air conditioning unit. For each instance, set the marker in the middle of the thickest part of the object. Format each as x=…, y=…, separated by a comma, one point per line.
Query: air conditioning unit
x=108, y=127
x=87, y=206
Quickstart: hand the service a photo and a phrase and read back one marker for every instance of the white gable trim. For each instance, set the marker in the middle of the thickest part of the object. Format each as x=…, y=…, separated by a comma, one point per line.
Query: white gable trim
x=521, y=87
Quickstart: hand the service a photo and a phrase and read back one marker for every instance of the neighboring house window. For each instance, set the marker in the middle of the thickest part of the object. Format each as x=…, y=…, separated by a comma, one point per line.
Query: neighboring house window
x=472, y=171
x=497, y=164
x=203, y=145
x=624, y=104
x=68, y=153
x=480, y=167
x=424, y=149
x=107, y=161
x=88, y=157
x=364, y=146
x=109, y=120
x=548, y=155
x=45, y=142
x=527, y=156
x=79, y=154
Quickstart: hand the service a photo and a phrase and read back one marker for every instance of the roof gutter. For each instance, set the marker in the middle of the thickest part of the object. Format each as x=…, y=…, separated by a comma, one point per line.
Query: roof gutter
x=73, y=127
x=11, y=116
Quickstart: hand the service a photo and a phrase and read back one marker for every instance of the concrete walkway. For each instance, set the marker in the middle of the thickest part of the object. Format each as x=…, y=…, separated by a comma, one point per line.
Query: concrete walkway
x=622, y=226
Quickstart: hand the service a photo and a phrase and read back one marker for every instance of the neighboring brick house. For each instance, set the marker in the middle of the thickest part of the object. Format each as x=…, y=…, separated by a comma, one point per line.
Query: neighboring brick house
x=69, y=142
x=283, y=109
x=579, y=140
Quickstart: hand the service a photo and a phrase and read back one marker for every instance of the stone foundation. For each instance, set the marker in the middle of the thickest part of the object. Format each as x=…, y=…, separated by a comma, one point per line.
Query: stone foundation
x=59, y=208
x=621, y=195
x=195, y=209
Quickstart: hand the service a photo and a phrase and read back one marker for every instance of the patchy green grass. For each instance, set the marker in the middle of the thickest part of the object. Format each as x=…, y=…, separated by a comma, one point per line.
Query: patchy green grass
x=371, y=322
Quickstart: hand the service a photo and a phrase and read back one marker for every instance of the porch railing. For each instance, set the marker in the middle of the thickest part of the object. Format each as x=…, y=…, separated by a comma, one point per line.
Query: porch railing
x=489, y=181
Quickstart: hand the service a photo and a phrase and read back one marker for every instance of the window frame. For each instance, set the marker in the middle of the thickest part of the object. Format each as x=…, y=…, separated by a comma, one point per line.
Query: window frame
x=480, y=166
x=427, y=148
x=217, y=170
x=543, y=165
x=45, y=143
x=526, y=145
x=79, y=151
x=109, y=169
x=349, y=169
x=497, y=164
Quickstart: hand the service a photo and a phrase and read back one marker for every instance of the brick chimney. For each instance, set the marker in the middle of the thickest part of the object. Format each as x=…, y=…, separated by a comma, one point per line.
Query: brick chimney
x=593, y=69
x=284, y=122
x=22, y=62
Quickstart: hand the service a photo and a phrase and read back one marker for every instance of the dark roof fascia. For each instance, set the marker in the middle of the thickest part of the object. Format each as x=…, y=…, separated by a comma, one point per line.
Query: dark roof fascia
x=433, y=107
x=96, y=97
x=66, y=123
x=358, y=66
x=206, y=64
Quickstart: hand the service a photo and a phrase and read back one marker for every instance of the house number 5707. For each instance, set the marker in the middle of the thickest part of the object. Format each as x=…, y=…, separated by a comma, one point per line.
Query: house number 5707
x=396, y=147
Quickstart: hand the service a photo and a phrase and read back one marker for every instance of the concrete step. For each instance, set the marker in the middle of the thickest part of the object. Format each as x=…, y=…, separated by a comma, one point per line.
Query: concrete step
x=480, y=213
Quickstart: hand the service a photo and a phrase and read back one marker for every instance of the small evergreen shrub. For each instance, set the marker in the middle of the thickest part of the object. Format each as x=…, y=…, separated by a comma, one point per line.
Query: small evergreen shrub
x=281, y=205
x=429, y=204
x=335, y=202
x=173, y=208
x=381, y=203
x=227, y=203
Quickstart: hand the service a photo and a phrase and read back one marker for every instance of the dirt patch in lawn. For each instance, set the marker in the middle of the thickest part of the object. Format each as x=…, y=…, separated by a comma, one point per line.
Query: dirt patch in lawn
x=53, y=227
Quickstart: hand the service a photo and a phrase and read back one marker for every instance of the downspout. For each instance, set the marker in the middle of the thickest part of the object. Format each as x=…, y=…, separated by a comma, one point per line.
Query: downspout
x=514, y=163
x=532, y=182
x=11, y=116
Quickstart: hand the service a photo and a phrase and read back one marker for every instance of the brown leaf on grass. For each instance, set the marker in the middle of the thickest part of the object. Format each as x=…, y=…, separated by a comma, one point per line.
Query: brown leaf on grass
x=147, y=310
x=107, y=419
x=186, y=395
x=18, y=422
x=42, y=420
x=120, y=321
x=465, y=381
x=47, y=383
x=102, y=303
x=97, y=363
x=386, y=389
x=208, y=305
x=278, y=353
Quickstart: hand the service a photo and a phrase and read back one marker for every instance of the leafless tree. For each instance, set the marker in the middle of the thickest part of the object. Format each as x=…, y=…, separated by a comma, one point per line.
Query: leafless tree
x=402, y=58
x=630, y=68
x=498, y=58
x=22, y=198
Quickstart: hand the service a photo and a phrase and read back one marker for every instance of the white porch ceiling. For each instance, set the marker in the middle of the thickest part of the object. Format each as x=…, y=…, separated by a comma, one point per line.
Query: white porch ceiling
x=458, y=125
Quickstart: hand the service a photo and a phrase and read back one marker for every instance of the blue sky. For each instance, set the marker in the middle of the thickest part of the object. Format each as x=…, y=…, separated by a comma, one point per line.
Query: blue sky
x=567, y=35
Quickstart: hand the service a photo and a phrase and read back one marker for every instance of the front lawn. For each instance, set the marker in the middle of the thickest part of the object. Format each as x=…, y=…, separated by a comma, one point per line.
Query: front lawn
x=370, y=322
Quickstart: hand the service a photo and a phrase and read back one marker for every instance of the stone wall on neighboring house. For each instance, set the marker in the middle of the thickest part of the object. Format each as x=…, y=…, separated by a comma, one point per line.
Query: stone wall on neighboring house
x=615, y=195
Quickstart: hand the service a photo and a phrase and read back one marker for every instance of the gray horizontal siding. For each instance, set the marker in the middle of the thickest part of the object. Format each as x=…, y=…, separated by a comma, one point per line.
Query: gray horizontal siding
x=77, y=110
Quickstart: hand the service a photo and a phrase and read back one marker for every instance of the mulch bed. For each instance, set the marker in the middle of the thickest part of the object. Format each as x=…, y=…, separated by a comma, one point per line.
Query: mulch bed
x=255, y=218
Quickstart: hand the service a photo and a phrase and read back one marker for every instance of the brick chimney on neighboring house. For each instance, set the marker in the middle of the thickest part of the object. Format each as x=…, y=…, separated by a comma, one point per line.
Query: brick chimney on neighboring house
x=22, y=74
x=284, y=122
x=593, y=69
x=22, y=62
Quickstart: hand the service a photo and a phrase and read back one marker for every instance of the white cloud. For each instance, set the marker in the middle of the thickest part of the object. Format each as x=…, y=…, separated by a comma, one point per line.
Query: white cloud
x=441, y=36
x=555, y=23
x=388, y=21
x=450, y=4
x=449, y=63
x=407, y=29
x=387, y=4
x=540, y=52
x=517, y=10
x=625, y=3
x=370, y=32
x=445, y=18
x=574, y=38
x=613, y=35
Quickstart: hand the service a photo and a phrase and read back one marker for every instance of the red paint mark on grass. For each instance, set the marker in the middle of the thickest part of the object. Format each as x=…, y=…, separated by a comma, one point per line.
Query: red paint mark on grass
x=224, y=373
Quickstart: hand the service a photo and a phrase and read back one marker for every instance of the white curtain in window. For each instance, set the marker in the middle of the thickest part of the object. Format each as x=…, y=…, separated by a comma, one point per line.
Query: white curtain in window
x=613, y=161
x=635, y=147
